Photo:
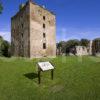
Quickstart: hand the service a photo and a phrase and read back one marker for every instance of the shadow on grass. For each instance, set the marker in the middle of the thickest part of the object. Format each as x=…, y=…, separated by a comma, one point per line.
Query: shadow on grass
x=31, y=75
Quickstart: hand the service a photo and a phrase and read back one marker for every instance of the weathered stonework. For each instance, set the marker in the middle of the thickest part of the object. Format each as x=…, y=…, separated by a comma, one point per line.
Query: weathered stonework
x=81, y=50
x=33, y=32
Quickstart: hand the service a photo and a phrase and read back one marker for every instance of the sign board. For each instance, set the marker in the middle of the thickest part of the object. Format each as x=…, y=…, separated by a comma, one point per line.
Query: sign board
x=45, y=66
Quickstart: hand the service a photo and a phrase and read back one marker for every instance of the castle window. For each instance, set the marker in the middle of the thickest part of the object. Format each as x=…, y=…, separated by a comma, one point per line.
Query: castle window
x=43, y=17
x=22, y=35
x=40, y=12
x=22, y=25
x=44, y=45
x=21, y=16
x=44, y=35
x=14, y=30
x=22, y=46
x=43, y=25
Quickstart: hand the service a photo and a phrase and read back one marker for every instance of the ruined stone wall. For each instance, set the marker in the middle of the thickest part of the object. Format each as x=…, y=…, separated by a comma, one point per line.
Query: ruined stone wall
x=20, y=33
x=38, y=17
x=81, y=50
x=96, y=47
x=31, y=28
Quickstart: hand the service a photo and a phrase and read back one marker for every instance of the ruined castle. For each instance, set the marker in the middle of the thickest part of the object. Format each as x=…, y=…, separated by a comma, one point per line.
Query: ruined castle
x=33, y=32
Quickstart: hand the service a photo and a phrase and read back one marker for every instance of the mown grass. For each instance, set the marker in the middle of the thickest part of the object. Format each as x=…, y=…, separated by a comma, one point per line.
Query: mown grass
x=74, y=79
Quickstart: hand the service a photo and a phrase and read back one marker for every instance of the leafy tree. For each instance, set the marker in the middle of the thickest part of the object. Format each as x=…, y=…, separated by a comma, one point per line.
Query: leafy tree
x=67, y=46
x=4, y=47
x=61, y=45
x=70, y=45
x=84, y=42
x=1, y=7
x=1, y=41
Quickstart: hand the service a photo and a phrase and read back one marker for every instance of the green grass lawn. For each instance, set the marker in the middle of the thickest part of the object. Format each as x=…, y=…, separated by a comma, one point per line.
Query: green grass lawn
x=74, y=79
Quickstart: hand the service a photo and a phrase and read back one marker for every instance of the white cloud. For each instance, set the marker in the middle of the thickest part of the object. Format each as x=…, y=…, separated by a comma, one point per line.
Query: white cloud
x=6, y=35
x=77, y=33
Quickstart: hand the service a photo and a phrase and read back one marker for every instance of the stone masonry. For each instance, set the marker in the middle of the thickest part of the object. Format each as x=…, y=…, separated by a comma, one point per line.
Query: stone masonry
x=33, y=32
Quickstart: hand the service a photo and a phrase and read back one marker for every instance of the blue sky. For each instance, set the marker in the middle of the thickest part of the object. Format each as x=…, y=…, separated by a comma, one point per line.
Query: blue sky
x=75, y=19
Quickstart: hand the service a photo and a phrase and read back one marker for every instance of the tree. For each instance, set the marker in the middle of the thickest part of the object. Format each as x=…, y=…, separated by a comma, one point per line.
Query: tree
x=1, y=41
x=4, y=47
x=61, y=46
x=1, y=7
x=70, y=45
x=67, y=46
x=84, y=42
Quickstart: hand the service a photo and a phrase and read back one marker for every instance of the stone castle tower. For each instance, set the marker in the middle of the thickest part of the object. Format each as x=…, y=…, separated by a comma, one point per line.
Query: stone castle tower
x=33, y=32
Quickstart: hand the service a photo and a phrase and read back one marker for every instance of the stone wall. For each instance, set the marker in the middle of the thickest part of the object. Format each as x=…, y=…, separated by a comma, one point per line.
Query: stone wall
x=38, y=17
x=31, y=28
x=81, y=50
x=20, y=33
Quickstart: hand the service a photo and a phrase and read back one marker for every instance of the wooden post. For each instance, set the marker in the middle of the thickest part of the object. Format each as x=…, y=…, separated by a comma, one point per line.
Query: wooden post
x=39, y=75
x=52, y=74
